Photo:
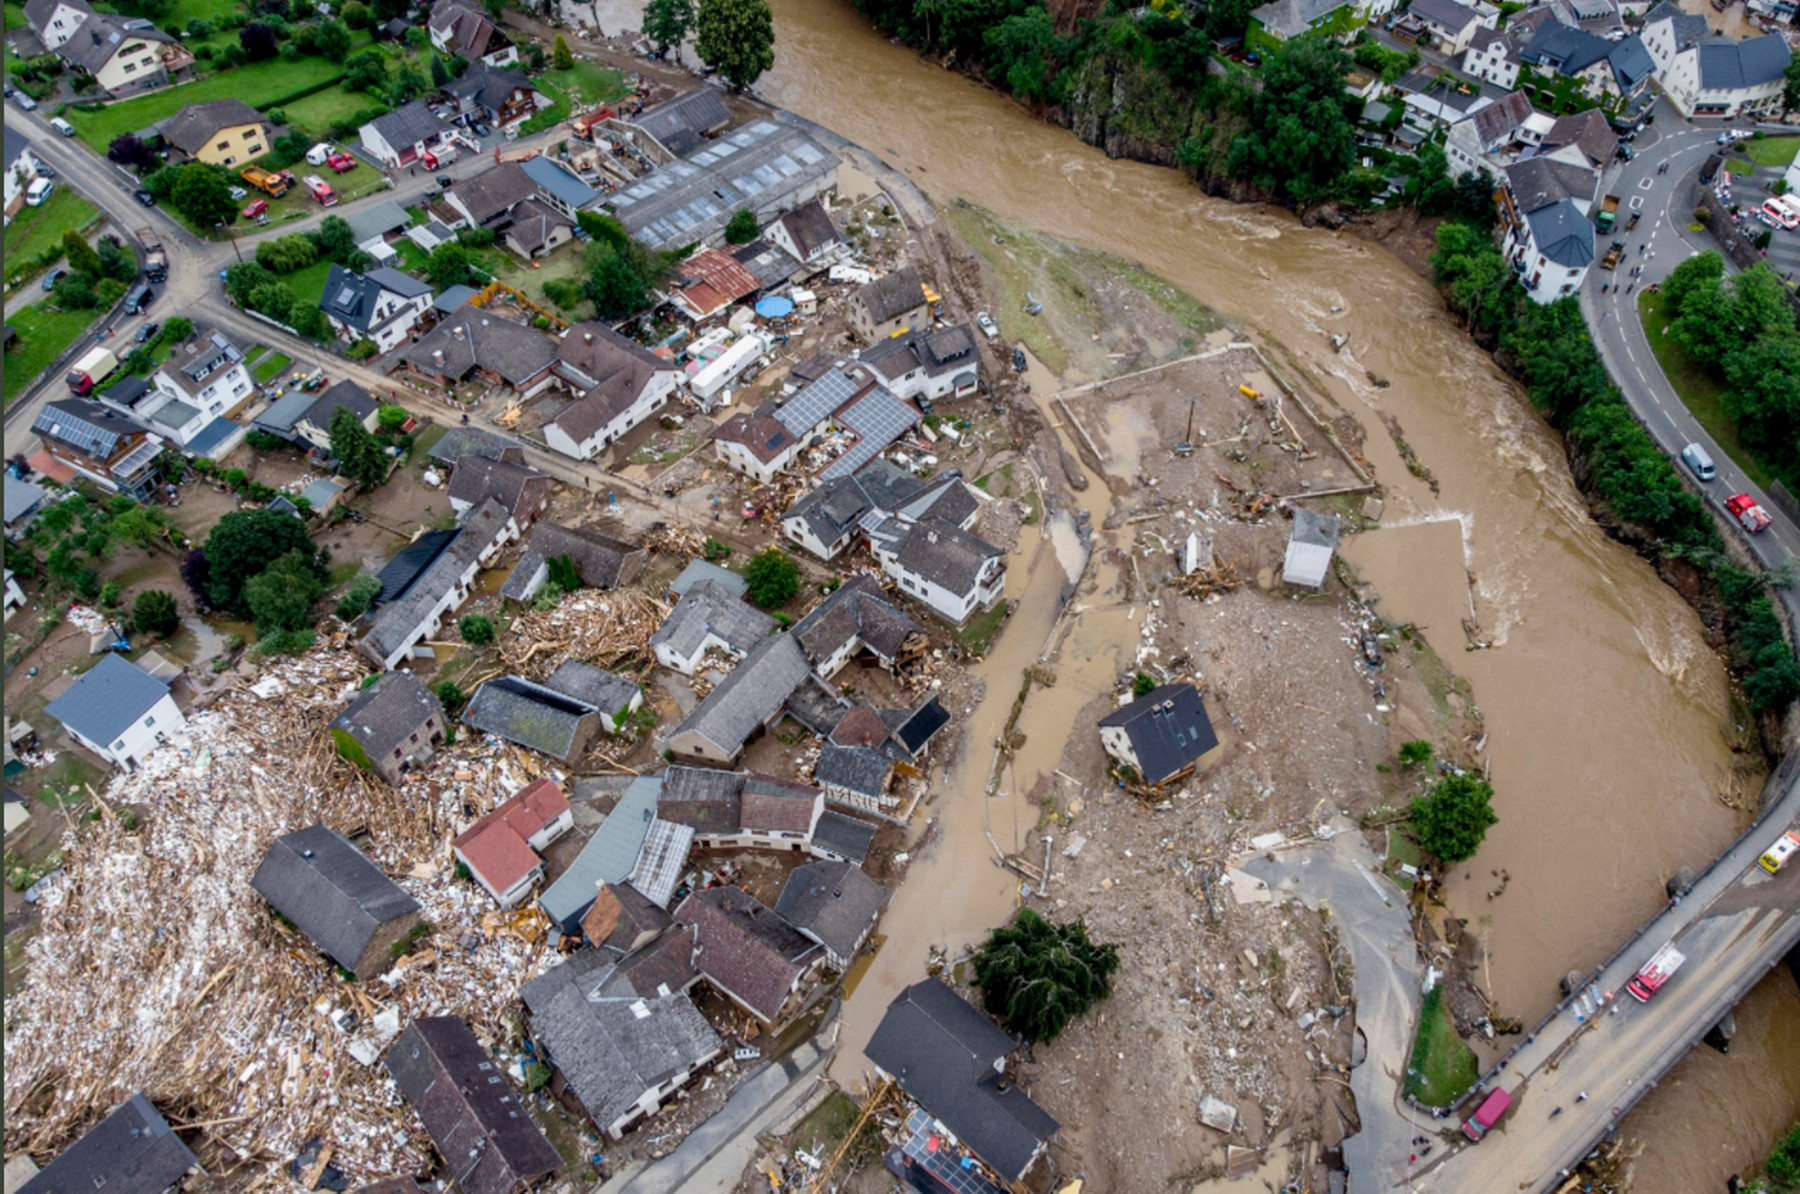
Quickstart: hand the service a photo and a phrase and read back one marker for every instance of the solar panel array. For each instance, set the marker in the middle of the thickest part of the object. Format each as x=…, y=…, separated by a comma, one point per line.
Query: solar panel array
x=878, y=419
x=140, y=458
x=77, y=432
x=814, y=404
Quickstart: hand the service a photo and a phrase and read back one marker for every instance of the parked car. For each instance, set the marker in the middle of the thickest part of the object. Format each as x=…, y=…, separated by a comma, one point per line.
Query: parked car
x=445, y=181
x=144, y=197
x=25, y=102
x=44, y=170
x=54, y=276
x=146, y=333
x=986, y=323
x=62, y=126
x=482, y=130
x=255, y=208
x=238, y=193
x=341, y=163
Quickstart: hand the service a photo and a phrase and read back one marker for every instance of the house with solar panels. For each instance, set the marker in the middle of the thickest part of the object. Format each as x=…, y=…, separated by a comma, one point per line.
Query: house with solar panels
x=109, y=449
x=764, y=167
x=829, y=429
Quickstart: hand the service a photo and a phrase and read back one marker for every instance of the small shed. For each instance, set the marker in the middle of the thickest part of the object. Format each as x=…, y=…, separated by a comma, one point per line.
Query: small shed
x=1310, y=547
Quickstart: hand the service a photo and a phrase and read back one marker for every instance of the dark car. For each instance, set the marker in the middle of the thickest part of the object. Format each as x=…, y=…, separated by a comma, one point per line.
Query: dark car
x=444, y=180
x=53, y=277
x=1625, y=151
x=146, y=333
x=44, y=170
x=144, y=197
x=481, y=130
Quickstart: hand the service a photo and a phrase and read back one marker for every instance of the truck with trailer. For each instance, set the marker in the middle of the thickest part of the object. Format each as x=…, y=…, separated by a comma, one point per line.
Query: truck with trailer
x=1658, y=970
x=320, y=190
x=1609, y=211
x=273, y=183
x=90, y=369
x=1751, y=516
x=156, y=261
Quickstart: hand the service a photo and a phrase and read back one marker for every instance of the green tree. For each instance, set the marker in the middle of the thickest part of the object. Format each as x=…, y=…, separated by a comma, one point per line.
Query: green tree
x=560, y=57
x=154, y=613
x=115, y=262
x=1416, y=751
x=332, y=39
x=1143, y=684
x=1029, y=54
x=177, y=329
x=408, y=85
x=203, y=195
x=285, y=254
x=358, y=454
x=668, y=23
x=736, y=38
x=241, y=545
x=440, y=74
x=335, y=239
x=280, y=597
x=1790, y=88
x=616, y=288
x=356, y=14
x=1701, y=272
x=448, y=266
x=1228, y=18
x=1473, y=275
x=771, y=578
x=1763, y=395
x=449, y=695
x=1037, y=976
x=475, y=629
x=128, y=149
x=365, y=71
x=358, y=597
x=1300, y=141
x=81, y=255
x=741, y=229
x=1453, y=816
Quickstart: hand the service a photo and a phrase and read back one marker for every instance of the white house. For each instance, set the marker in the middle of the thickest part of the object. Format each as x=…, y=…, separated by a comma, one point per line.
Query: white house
x=927, y=364
x=1476, y=142
x=709, y=617
x=1160, y=735
x=502, y=849
x=1451, y=24
x=383, y=305
x=56, y=20
x=1727, y=79
x=737, y=810
x=1493, y=56
x=1548, y=239
x=1602, y=68
x=1667, y=32
x=459, y=27
x=437, y=585
x=1310, y=547
x=119, y=711
x=951, y=570
x=407, y=133
x=15, y=596
x=806, y=233
x=20, y=165
x=621, y=384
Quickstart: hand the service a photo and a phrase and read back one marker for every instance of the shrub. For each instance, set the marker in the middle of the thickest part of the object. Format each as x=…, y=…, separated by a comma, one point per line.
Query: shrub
x=1143, y=684
x=772, y=578
x=1037, y=976
x=1415, y=752
x=449, y=694
x=476, y=629
x=358, y=597
x=154, y=612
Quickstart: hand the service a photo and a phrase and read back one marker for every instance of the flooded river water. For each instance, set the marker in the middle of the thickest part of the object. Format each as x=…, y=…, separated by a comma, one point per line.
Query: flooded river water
x=1608, y=713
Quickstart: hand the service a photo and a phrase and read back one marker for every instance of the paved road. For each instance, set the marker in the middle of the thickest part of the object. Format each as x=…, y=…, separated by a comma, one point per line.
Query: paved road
x=1666, y=204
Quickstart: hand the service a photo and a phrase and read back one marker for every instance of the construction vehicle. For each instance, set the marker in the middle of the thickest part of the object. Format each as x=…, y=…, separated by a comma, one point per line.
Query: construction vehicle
x=156, y=262
x=1633, y=221
x=1658, y=970
x=1611, y=260
x=94, y=366
x=273, y=183
x=1609, y=211
x=321, y=190
x=1751, y=516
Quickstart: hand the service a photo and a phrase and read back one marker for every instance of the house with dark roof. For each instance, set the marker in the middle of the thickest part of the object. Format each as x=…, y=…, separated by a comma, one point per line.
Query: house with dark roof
x=56, y=21
x=132, y=1151
x=1729, y=79
x=1282, y=20
x=835, y=904
x=1581, y=139
x=471, y=342
x=1667, y=31
x=1601, y=67
x=601, y=562
x=392, y=726
x=748, y=953
x=458, y=27
x=730, y=810
x=520, y=489
x=558, y=187
x=708, y=617
x=499, y=96
x=119, y=711
x=609, y=857
x=842, y=837
x=927, y=363
x=868, y=749
x=24, y=499
x=115, y=452
x=1548, y=237
x=620, y=383
x=224, y=132
x=501, y=849
x=414, y=612
x=338, y=897
x=681, y=124
x=854, y=618
x=1450, y=24
x=1311, y=543
x=749, y=700
x=383, y=305
x=889, y=303
x=1481, y=141
x=126, y=55
x=848, y=399
x=313, y=428
x=534, y=229
x=951, y=1060
x=827, y=518
x=623, y=1051
x=534, y=716
x=954, y=572
x=807, y=234
x=485, y=1135
x=406, y=134
x=1493, y=55
x=1161, y=735
x=623, y=920
x=487, y=199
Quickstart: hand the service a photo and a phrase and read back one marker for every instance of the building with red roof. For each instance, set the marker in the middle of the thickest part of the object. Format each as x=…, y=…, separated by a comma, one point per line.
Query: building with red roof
x=501, y=849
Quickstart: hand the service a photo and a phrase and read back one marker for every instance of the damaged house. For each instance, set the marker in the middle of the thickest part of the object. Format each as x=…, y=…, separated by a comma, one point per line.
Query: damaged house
x=857, y=619
x=831, y=516
x=737, y=809
x=502, y=849
x=338, y=897
x=558, y=717
x=1161, y=735
x=708, y=617
x=847, y=413
x=749, y=700
x=835, y=904
x=748, y=953
x=869, y=747
x=520, y=489
x=132, y=1151
x=601, y=562
x=952, y=571
x=392, y=725
x=432, y=583
x=620, y=382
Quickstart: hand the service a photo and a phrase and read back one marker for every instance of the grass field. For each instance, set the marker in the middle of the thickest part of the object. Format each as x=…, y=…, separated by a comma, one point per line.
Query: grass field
x=15, y=16
x=568, y=261
x=1773, y=151
x=35, y=230
x=181, y=12
x=43, y=334
x=1442, y=1066
x=1701, y=391
x=298, y=203
x=309, y=284
x=258, y=85
x=320, y=111
x=583, y=83
x=271, y=367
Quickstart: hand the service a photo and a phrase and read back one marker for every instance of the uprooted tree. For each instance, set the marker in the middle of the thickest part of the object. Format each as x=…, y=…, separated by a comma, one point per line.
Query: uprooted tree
x=1037, y=976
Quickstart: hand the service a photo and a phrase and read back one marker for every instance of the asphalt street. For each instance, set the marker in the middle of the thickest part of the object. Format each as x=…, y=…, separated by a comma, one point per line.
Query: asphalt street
x=1661, y=241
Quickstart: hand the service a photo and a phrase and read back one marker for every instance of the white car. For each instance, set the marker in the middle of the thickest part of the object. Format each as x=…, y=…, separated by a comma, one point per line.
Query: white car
x=239, y=194
x=986, y=323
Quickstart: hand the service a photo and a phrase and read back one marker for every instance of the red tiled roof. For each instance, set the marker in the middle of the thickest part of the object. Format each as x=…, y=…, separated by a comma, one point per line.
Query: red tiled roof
x=718, y=280
x=50, y=466
x=497, y=846
x=778, y=806
x=862, y=726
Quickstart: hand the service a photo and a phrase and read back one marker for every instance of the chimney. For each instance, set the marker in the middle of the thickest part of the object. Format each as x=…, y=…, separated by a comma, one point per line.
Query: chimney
x=588, y=336
x=457, y=332
x=438, y=355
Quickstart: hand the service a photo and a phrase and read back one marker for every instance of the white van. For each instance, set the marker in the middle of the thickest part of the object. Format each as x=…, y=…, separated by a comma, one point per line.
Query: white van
x=1695, y=457
x=38, y=193
x=62, y=126
x=317, y=154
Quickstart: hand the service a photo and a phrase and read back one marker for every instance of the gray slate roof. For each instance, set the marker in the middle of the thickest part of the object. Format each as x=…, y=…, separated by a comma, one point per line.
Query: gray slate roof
x=832, y=902
x=1689, y=29
x=489, y=1142
x=195, y=124
x=558, y=183
x=1539, y=182
x=609, y=856
x=480, y=477
x=1563, y=234
x=532, y=715
x=284, y=412
x=1168, y=728
x=857, y=609
x=946, y=555
x=843, y=835
x=100, y=37
x=108, y=699
x=1291, y=18
x=387, y=712
x=751, y=694
x=682, y=123
x=1312, y=527
x=481, y=527
x=942, y=1052
x=709, y=608
x=333, y=892
x=1731, y=65
x=745, y=947
x=513, y=351
x=600, y=560
x=1444, y=14
x=811, y=228
x=346, y=394
x=861, y=770
x=407, y=125
x=22, y=497
x=606, y=691
x=892, y=295
x=377, y=220
x=131, y=1151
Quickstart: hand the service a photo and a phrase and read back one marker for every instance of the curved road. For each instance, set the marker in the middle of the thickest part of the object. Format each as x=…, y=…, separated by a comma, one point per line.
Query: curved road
x=1666, y=207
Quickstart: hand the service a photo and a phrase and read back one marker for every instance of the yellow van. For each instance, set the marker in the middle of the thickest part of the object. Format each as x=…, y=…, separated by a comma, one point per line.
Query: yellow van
x=1777, y=855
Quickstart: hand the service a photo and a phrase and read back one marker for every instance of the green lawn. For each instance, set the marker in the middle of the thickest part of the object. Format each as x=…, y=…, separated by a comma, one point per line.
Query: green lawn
x=318, y=112
x=1701, y=391
x=583, y=83
x=258, y=85
x=43, y=334
x=36, y=230
x=181, y=12
x=15, y=16
x=271, y=367
x=298, y=203
x=1442, y=1066
x=568, y=261
x=1773, y=151
x=309, y=284
x=1740, y=166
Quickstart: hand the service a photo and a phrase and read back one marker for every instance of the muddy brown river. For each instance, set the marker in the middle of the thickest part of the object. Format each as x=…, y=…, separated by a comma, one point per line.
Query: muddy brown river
x=1608, y=714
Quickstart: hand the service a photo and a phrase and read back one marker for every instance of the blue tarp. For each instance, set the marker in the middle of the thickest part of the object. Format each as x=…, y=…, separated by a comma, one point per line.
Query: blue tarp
x=776, y=306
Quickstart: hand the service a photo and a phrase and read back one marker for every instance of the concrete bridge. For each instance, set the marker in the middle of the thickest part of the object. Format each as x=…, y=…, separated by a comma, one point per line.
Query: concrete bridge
x=1733, y=925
